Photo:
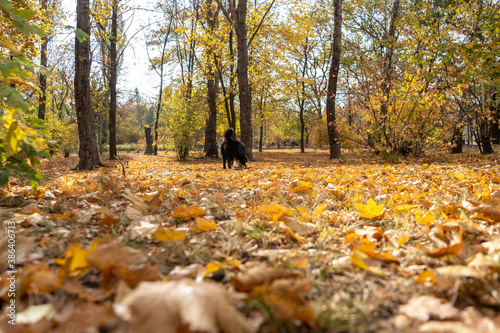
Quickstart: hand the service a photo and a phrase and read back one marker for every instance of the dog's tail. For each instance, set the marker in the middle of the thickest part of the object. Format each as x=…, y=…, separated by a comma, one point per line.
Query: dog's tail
x=229, y=133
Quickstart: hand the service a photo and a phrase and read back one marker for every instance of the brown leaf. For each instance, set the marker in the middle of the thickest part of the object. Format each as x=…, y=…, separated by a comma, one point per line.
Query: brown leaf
x=154, y=203
x=447, y=276
x=177, y=305
x=448, y=240
x=482, y=211
x=120, y=262
x=256, y=276
x=427, y=307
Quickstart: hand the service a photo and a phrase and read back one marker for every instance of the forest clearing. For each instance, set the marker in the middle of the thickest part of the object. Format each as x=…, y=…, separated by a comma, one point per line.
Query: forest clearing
x=294, y=243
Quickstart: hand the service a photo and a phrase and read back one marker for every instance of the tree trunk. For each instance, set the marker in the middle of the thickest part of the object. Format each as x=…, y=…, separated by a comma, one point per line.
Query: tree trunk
x=386, y=82
x=484, y=136
x=333, y=133
x=149, y=141
x=99, y=134
x=261, y=139
x=42, y=99
x=456, y=142
x=88, y=153
x=211, y=128
x=112, y=81
x=302, y=100
x=160, y=95
x=244, y=86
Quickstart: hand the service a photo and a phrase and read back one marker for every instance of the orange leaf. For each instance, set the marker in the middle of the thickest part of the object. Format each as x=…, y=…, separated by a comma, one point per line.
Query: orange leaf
x=165, y=235
x=186, y=213
x=203, y=225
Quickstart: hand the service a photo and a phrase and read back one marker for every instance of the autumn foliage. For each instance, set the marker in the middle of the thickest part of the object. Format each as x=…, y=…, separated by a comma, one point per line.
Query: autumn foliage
x=314, y=245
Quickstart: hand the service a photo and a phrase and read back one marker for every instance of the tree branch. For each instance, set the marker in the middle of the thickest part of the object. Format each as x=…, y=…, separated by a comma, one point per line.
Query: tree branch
x=260, y=23
x=225, y=12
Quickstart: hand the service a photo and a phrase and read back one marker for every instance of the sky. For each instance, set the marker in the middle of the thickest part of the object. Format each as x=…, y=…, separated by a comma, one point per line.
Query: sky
x=136, y=73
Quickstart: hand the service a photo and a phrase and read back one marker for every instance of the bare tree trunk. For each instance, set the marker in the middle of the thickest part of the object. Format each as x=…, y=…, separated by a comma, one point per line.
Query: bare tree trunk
x=42, y=99
x=149, y=141
x=88, y=153
x=244, y=91
x=386, y=82
x=302, y=100
x=261, y=139
x=112, y=81
x=160, y=95
x=211, y=128
x=99, y=134
x=333, y=133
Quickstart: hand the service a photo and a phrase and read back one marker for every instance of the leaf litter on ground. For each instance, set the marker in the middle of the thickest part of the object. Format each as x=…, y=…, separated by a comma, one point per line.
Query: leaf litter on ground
x=294, y=243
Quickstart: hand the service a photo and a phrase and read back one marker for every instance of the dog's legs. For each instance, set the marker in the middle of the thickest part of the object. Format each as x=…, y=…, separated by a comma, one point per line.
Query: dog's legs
x=224, y=161
x=230, y=163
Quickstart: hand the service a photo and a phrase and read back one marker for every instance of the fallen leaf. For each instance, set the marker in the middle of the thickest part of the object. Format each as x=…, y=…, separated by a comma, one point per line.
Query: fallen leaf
x=165, y=235
x=247, y=281
x=203, y=225
x=426, y=307
x=447, y=276
x=186, y=213
x=371, y=210
x=179, y=305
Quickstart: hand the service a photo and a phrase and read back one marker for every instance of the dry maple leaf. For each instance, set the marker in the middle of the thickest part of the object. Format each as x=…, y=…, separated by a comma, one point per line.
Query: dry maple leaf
x=181, y=306
x=371, y=210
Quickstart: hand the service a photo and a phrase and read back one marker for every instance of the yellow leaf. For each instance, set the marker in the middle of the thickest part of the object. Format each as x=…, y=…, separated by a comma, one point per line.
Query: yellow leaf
x=319, y=210
x=358, y=259
x=403, y=239
x=233, y=262
x=275, y=212
x=427, y=218
x=78, y=257
x=203, y=225
x=164, y=235
x=404, y=208
x=371, y=210
x=303, y=187
x=213, y=267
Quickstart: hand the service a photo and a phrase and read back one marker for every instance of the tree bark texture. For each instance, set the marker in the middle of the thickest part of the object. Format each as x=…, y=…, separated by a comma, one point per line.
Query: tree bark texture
x=244, y=91
x=42, y=99
x=386, y=82
x=302, y=100
x=149, y=141
x=112, y=81
x=160, y=95
x=88, y=153
x=333, y=133
x=211, y=126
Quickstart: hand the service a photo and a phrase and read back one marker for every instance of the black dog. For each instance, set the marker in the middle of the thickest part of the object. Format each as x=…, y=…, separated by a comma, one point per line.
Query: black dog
x=232, y=149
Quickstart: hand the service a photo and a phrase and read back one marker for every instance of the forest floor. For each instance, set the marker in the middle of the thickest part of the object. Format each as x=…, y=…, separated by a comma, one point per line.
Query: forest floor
x=294, y=243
